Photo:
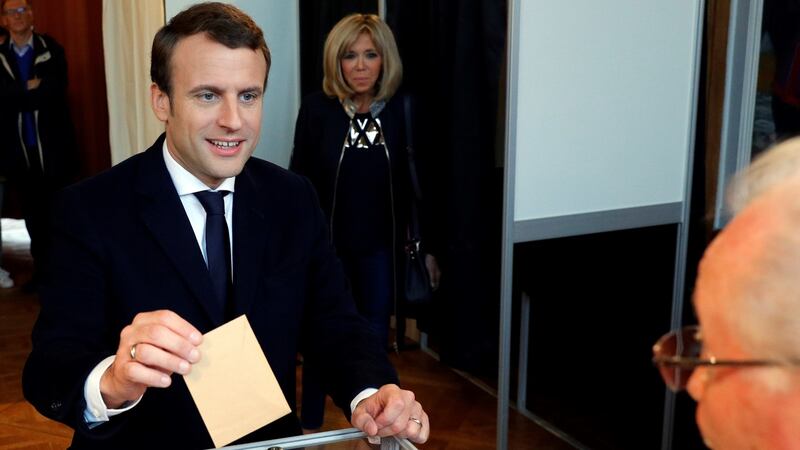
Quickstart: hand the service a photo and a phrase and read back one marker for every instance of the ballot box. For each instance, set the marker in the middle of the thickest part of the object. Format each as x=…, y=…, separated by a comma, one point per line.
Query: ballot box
x=347, y=439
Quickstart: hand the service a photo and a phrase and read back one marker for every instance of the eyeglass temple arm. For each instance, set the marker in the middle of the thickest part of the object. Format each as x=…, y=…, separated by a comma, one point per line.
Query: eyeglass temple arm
x=685, y=362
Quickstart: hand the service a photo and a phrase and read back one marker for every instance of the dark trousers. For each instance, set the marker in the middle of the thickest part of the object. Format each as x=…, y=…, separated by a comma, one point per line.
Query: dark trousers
x=37, y=193
x=371, y=282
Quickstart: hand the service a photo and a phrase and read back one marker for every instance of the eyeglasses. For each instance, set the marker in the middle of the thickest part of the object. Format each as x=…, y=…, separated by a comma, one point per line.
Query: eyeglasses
x=677, y=355
x=16, y=11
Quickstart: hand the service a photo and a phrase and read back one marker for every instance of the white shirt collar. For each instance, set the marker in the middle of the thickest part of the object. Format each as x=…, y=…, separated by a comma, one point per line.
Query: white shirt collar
x=25, y=47
x=186, y=183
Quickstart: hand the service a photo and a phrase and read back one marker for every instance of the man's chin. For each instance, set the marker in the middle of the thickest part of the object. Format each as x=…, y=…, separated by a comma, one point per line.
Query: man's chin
x=231, y=170
x=233, y=163
x=702, y=427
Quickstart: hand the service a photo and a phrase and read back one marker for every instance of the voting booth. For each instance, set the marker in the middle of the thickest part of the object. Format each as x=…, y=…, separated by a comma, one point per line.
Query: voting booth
x=600, y=136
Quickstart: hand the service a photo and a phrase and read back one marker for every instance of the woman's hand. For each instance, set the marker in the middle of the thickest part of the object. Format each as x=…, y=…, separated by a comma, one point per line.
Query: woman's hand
x=433, y=271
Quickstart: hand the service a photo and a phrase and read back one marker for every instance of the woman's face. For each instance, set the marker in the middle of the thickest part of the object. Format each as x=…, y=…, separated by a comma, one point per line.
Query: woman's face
x=361, y=65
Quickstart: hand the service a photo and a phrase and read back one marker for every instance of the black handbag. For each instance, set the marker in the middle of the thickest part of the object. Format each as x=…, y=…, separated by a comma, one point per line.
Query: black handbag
x=417, y=285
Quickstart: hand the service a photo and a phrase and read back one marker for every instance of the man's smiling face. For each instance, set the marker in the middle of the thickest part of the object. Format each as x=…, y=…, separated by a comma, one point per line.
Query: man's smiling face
x=213, y=120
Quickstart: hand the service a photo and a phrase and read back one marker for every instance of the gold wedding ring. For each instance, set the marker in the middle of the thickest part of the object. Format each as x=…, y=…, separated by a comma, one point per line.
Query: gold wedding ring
x=133, y=351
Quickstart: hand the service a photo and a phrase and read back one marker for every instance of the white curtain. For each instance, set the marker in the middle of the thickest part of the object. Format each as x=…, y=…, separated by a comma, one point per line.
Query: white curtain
x=128, y=30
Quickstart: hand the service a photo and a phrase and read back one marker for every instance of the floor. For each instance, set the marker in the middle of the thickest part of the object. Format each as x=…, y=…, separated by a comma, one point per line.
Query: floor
x=462, y=415
x=21, y=427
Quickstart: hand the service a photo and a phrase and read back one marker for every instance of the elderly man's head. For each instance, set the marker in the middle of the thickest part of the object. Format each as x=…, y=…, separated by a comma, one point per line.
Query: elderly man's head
x=747, y=299
x=744, y=358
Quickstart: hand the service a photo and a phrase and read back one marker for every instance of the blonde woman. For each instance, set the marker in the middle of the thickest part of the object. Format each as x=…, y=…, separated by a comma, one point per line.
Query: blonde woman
x=350, y=142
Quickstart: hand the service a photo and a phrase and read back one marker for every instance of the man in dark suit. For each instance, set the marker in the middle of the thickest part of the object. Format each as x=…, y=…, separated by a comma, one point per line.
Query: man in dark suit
x=134, y=281
x=39, y=140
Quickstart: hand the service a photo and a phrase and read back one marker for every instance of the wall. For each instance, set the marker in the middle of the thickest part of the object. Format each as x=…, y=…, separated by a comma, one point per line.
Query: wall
x=604, y=105
x=77, y=26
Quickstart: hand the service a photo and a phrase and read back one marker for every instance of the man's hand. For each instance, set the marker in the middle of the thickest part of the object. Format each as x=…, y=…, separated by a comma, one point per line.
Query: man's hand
x=162, y=343
x=392, y=412
x=34, y=83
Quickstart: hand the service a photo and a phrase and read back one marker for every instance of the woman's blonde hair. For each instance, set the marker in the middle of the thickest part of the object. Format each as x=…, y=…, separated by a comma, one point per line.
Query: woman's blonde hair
x=339, y=41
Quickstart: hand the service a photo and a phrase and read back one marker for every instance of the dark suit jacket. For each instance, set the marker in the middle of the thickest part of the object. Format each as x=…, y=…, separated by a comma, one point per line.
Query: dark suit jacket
x=124, y=245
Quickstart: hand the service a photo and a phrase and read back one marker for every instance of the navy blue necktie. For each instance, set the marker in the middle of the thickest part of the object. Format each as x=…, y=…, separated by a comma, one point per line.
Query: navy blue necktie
x=218, y=248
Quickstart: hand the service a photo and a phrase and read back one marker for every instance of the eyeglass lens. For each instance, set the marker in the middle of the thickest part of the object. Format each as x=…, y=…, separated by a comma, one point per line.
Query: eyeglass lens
x=684, y=343
x=16, y=11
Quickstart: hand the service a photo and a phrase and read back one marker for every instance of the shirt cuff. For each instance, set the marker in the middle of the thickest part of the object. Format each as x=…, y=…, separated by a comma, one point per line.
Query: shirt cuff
x=361, y=396
x=96, y=411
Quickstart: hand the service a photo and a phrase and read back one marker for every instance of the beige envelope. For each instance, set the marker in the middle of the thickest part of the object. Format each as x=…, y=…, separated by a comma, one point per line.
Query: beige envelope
x=232, y=385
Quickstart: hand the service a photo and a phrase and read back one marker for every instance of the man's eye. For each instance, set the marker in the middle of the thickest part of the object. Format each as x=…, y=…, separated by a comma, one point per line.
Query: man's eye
x=249, y=97
x=207, y=96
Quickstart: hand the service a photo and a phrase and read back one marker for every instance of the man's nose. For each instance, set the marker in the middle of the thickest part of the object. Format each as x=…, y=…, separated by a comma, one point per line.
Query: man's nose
x=229, y=116
x=696, y=385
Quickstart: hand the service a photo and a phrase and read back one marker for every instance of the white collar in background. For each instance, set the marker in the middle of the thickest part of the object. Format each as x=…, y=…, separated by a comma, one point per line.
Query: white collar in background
x=21, y=50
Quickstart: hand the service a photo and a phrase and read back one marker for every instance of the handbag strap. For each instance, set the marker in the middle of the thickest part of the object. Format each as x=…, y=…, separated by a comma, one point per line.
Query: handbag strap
x=413, y=223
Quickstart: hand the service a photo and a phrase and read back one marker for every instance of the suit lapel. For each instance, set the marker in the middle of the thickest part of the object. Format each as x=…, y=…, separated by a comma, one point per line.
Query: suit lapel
x=250, y=231
x=164, y=215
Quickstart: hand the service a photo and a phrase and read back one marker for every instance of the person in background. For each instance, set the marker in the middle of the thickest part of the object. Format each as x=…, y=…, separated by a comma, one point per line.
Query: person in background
x=350, y=141
x=35, y=123
x=5, y=276
x=180, y=239
x=742, y=363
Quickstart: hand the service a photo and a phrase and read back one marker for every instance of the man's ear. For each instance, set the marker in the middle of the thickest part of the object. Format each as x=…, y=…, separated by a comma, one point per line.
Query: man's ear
x=159, y=100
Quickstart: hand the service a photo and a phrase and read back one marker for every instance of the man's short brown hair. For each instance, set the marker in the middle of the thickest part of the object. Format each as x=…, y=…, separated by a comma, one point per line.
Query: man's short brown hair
x=222, y=23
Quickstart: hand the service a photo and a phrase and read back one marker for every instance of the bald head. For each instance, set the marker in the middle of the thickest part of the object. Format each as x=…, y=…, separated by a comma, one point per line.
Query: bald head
x=747, y=299
x=749, y=278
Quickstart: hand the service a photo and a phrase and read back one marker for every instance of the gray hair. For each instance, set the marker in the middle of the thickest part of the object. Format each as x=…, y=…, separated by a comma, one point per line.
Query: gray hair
x=770, y=169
